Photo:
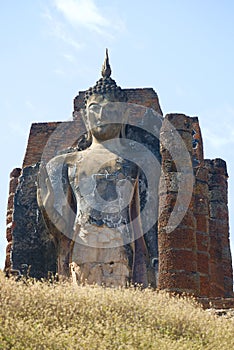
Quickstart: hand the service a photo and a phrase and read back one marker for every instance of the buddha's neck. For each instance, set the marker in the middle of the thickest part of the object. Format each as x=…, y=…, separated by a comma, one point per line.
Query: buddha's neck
x=111, y=144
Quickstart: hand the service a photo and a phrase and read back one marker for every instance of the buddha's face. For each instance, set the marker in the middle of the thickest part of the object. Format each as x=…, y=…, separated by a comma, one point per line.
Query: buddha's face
x=104, y=117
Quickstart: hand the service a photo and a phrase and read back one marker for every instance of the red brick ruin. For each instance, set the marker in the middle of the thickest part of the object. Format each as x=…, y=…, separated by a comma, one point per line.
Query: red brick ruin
x=195, y=256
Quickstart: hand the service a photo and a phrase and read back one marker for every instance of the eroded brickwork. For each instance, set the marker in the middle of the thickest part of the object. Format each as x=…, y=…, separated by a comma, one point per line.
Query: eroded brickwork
x=194, y=257
x=220, y=255
x=178, y=271
x=31, y=242
x=201, y=214
x=14, y=176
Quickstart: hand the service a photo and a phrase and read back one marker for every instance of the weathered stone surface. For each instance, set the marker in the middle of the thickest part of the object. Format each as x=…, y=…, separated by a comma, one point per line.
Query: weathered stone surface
x=178, y=238
x=106, y=274
x=203, y=264
x=179, y=281
x=32, y=244
x=179, y=258
x=220, y=259
x=183, y=259
x=14, y=175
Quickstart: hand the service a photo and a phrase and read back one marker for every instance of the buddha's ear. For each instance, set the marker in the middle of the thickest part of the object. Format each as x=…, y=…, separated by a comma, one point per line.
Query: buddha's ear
x=83, y=115
x=123, y=131
x=85, y=138
x=85, y=120
x=125, y=110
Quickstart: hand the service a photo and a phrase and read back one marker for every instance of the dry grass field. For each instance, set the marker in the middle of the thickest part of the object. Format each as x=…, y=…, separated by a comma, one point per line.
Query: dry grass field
x=43, y=316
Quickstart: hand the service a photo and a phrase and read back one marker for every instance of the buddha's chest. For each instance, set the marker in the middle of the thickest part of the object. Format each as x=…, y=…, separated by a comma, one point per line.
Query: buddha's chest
x=104, y=182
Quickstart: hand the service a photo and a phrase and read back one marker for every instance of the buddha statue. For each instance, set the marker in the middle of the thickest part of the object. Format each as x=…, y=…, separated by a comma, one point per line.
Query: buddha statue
x=90, y=198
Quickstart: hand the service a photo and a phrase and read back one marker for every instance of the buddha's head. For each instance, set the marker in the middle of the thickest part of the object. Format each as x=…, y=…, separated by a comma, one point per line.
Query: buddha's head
x=104, y=117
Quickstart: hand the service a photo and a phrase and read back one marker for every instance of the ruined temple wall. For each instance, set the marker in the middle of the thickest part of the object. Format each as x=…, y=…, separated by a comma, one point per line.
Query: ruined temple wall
x=178, y=270
x=48, y=139
x=31, y=242
x=201, y=214
x=221, y=280
x=201, y=209
x=38, y=137
x=28, y=239
x=14, y=176
x=204, y=229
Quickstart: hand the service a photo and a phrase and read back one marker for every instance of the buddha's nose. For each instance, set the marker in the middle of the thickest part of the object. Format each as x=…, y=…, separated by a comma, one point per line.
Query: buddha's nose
x=104, y=116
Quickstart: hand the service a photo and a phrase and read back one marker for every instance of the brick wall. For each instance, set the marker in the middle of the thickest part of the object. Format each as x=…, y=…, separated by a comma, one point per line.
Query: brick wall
x=194, y=257
x=221, y=282
x=201, y=214
x=146, y=97
x=178, y=271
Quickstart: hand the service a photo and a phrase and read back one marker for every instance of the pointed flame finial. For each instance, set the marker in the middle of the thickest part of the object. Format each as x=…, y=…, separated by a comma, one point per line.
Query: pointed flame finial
x=106, y=85
x=106, y=69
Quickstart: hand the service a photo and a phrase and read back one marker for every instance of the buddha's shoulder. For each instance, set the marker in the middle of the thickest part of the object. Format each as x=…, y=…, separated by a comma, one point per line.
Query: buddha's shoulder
x=66, y=159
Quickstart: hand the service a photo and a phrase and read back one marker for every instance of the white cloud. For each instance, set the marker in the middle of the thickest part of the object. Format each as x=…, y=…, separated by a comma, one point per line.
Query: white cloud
x=60, y=72
x=75, y=21
x=59, y=30
x=69, y=57
x=84, y=13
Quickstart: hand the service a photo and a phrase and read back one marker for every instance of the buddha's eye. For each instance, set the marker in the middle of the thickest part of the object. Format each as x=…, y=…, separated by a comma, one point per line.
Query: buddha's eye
x=95, y=108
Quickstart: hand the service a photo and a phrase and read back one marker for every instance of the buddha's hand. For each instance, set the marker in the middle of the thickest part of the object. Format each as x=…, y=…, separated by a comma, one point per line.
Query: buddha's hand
x=45, y=193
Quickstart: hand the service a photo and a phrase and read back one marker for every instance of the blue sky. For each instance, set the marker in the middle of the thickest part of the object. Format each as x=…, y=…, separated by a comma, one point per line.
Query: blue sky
x=52, y=49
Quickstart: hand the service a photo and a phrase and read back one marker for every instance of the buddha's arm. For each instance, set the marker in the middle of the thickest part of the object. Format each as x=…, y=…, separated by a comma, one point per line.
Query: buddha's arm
x=140, y=258
x=59, y=224
x=45, y=198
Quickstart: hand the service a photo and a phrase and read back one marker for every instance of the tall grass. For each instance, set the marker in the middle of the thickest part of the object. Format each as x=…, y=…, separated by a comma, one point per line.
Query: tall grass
x=41, y=315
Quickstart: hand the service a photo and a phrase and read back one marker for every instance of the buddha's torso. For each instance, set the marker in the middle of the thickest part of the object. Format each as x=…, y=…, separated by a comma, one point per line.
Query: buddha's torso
x=103, y=184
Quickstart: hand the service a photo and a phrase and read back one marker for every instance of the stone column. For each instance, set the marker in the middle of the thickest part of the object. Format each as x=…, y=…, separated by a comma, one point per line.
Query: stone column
x=14, y=176
x=201, y=209
x=220, y=255
x=177, y=242
x=201, y=213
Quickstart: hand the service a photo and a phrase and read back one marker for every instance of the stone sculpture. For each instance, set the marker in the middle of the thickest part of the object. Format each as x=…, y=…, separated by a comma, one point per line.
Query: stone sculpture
x=90, y=199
